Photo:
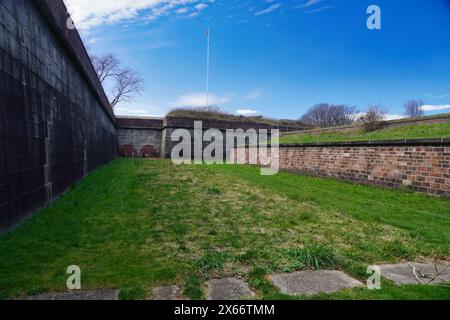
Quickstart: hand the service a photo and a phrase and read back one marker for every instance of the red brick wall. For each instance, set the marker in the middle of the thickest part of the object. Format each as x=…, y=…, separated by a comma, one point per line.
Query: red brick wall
x=422, y=168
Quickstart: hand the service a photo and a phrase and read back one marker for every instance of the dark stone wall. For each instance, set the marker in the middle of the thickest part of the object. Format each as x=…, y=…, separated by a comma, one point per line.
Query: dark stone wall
x=139, y=140
x=173, y=123
x=167, y=145
x=139, y=136
x=139, y=122
x=55, y=124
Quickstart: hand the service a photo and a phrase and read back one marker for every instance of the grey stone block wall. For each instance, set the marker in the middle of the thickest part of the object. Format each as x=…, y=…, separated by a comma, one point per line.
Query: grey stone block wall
x=140, y=138
x=168, y=144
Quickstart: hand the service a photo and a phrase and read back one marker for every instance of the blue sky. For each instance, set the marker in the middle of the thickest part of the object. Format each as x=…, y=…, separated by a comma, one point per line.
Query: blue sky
x=272, y=57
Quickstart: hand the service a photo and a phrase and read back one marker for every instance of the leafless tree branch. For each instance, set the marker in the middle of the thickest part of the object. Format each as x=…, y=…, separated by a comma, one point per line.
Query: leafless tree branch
x=125, y=82
x=413, y=108
x=431, y=277
x=329, y=115
x=371, y=120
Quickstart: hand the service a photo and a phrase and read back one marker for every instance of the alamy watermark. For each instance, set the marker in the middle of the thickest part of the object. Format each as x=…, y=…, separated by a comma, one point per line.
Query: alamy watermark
x=374, y=280
x=374, y=20
x=231, y=146
x=74, y=280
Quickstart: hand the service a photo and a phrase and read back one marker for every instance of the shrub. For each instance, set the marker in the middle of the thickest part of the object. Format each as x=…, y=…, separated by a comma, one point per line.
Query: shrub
x=329, y=115
x=372, y=119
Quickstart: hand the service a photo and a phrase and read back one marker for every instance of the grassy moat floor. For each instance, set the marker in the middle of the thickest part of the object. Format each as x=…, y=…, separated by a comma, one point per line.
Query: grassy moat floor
x=135, y=224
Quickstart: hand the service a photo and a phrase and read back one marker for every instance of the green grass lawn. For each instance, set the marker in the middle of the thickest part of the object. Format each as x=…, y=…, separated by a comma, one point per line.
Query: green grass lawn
x=417, y=131
x=136, y=224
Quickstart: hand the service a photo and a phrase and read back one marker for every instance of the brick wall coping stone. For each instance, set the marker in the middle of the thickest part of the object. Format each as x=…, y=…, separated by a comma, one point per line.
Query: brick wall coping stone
x=137, y=123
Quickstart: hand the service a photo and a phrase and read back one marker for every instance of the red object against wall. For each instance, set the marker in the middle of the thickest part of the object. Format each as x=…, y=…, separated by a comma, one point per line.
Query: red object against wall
x=148, y=151
x=127, y=150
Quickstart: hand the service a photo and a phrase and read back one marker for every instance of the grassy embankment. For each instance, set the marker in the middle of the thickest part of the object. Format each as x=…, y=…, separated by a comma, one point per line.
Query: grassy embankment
x=417, y=131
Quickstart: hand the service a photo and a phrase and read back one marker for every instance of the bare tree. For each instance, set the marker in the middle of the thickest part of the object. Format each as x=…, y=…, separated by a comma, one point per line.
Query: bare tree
x=106, y=66
x=371, y=120
x=128, y=83
x=329, y=115
x=413, y=108
x=125, y=83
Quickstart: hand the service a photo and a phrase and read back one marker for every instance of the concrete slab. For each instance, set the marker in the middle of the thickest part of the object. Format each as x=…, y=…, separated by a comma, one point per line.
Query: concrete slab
x=167, y=293
x=77, y=295
x=228, y=289
x=313, y=282
x=403, y=273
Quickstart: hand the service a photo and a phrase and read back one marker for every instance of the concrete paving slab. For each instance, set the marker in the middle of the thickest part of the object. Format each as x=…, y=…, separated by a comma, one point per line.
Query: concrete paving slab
x=403, y=273
x=313, y=282
x=228, y=289
x=167, y=293
x=77, y=295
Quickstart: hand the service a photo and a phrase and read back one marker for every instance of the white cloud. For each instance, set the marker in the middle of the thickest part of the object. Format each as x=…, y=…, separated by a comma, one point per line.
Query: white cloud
x=437, y=96
x=253, y=95
x=199, y=100
x=193, y=14
x=394, y=117
x=88, y=13
x=201, y=6
x=387, y=116
x=247, y=112
x=182, y=10
x=123, y=111
x=93, y=40
x=320, y=9
x=310, y=3
x=141, y=109
x=269, y=9
x=429, y=107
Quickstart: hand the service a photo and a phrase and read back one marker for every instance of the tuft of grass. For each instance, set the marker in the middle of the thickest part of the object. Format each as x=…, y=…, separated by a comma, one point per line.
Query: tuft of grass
x=133, y=293
x=193, y=288
x=309, y=257
x=212, y=260
x=214, y=191
x=314, y=256
x=258, y=280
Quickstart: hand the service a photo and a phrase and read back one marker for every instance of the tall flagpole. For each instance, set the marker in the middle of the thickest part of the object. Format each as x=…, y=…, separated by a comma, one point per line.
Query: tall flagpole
x=208, y=31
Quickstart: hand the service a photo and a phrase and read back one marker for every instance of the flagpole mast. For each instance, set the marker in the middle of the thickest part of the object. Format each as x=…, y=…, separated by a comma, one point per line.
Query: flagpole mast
x=207, y=66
